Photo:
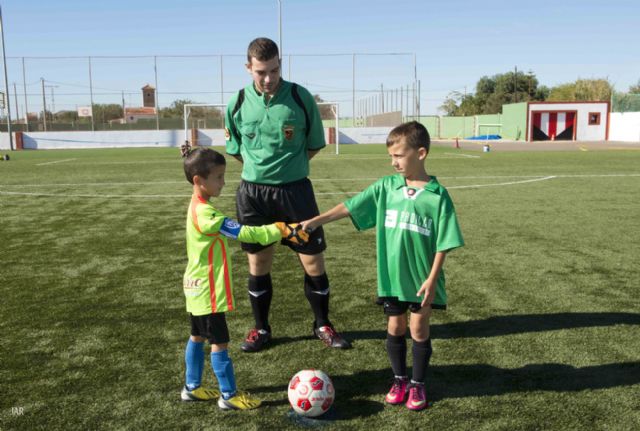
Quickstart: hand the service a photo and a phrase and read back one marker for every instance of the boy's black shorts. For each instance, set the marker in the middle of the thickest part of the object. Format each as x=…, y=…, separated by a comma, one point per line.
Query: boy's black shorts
x=260, y=204
x=213, y=327
x=394, y=307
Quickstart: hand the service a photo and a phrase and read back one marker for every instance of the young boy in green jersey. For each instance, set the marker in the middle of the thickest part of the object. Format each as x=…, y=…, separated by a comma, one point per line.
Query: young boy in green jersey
x=208, y=284
x=416, y=226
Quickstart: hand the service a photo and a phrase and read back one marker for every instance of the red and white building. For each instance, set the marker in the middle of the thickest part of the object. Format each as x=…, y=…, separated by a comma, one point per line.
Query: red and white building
x=568, y=121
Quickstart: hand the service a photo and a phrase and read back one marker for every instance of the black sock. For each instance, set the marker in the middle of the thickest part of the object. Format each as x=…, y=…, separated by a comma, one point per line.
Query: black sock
x=421, y=354
x=397, y=351
x=316, y=289
x=260, y=293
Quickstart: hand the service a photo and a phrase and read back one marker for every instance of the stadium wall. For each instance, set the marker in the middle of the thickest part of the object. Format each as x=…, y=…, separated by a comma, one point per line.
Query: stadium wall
x=514, y=121
x=457, y=127
x=624, y=126
x=4, y=141
x=482, y=125
x=161, y=138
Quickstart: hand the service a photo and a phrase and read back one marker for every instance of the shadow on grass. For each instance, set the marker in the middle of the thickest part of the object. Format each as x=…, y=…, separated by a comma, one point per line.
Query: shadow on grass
x=513, y=324
x=457, y=381
x=475, y=380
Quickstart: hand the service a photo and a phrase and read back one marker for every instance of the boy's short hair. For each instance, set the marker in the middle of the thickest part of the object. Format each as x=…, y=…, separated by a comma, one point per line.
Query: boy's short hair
x=262, y=49
x=201, y=161
x=413, y=133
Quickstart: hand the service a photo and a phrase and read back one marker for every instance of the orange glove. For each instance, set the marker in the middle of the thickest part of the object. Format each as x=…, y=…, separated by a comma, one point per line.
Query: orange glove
x=292, y=232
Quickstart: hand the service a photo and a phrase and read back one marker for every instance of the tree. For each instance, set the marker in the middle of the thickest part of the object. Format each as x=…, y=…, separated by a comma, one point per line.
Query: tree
x=493, y=92
x=107, y=112
x=582, y=90
x=66, y=116
x=176, y=109
x=635, y=89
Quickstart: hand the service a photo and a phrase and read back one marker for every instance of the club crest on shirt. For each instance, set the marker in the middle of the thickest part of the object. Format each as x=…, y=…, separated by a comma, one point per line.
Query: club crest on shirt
x=288, y=132
x=227, y=134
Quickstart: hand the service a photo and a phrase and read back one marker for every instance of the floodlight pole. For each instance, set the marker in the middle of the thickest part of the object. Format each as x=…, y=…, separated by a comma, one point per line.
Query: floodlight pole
x=44, y=106
x=6, y=84
x=353, y=90
x=93, y=126
x=280, y=27
x=26, y=106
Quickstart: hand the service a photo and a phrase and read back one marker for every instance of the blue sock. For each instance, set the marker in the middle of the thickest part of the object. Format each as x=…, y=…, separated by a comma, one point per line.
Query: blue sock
x=223, y=369
x=194, y=360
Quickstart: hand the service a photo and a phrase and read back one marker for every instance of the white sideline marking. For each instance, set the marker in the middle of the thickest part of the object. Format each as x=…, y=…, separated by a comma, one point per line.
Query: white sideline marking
x=463, y=155
x=529, y=179
x=510, y=183
x=55, y=161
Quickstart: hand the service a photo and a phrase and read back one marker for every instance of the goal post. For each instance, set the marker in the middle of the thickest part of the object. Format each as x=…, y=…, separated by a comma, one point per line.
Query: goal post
x=330, y=115
x=210, y=116
x=203, y=116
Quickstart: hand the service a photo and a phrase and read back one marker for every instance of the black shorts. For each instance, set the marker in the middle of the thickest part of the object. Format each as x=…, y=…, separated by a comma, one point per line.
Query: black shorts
x=394, y=307
x=260, y=204
x=213, y=327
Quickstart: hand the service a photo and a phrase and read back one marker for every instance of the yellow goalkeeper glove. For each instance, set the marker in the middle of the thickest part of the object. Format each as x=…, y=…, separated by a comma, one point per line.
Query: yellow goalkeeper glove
x=292, y=232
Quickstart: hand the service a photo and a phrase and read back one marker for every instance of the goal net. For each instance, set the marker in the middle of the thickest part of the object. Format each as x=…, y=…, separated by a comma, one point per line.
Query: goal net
x=204, y=123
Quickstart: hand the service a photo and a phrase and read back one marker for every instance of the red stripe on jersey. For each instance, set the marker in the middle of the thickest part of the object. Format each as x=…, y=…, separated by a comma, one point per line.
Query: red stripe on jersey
x=212, y=280
x=195, y=201
x=194, y=214
x=227, y=278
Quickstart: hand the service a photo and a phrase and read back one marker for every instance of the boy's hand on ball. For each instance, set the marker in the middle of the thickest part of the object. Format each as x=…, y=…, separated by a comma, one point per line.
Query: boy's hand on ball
x=293, y=232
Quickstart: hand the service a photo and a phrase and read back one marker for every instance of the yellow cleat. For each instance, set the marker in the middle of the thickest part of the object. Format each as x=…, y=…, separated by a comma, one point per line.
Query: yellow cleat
x=199, y=394
x=241, y=401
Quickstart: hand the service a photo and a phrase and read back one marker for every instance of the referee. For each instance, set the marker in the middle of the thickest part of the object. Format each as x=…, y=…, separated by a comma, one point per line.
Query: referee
x=273, y=127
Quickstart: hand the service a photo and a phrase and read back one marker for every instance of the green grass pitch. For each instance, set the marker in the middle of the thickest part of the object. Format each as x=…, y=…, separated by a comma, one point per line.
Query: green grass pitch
x=542, y=330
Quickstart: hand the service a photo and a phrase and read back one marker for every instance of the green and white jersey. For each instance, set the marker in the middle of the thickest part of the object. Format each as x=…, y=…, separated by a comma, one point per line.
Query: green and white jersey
x=412, y=225
x=207, y=282
x=271, y=136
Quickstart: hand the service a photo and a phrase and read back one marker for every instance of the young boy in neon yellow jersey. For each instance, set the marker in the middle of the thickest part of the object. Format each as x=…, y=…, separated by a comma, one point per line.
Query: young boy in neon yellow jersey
x=416, y=227
x=208, y=284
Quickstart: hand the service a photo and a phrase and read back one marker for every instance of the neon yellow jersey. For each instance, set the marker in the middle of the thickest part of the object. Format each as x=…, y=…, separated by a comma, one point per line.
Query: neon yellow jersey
x=207, y=282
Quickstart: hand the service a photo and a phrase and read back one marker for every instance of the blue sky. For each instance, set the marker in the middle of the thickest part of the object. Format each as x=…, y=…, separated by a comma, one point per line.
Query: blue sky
x=455, y=43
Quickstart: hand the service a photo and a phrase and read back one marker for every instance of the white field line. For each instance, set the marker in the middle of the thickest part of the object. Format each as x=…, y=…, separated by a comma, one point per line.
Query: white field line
x=463, y=155
x=510, y=183
x=526, y=179
x=315, y=180
x=333, y=158
x=55, y=161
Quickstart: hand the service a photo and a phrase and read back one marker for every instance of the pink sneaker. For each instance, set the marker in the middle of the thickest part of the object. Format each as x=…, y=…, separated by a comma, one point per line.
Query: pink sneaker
x=398, y=392
x=417, y=397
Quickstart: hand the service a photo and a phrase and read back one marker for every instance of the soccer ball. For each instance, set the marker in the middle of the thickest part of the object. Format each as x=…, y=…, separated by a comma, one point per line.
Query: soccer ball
x=311, y=393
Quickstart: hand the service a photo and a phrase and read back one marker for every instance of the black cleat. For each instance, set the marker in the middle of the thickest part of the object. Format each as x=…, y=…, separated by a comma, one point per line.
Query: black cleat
x=331, y=338
x=256, y=340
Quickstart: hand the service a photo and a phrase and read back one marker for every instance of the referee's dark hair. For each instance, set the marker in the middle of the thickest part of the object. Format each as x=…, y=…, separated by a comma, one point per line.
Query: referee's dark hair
x=262, y=49
x=413, y=133
x=201, y=161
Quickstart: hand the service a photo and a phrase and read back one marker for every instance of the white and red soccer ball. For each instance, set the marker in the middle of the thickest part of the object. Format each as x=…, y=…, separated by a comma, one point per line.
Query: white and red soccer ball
x=311, y=393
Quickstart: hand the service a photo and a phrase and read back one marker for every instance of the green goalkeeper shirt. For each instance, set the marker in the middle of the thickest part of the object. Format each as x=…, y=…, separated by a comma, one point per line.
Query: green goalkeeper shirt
x=207, y=282
x=412, y=225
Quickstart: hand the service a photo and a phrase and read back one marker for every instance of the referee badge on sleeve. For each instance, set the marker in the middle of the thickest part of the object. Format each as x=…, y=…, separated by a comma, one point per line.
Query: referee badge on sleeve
x=227, y=134
x=288, y=132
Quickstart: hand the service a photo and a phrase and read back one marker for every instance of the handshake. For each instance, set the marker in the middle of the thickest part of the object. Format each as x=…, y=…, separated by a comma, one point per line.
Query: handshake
x=293, y=232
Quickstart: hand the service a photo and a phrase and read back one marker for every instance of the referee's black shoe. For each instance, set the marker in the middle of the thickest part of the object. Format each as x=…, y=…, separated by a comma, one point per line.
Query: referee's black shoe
x=256, y=340
x=330, y=337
